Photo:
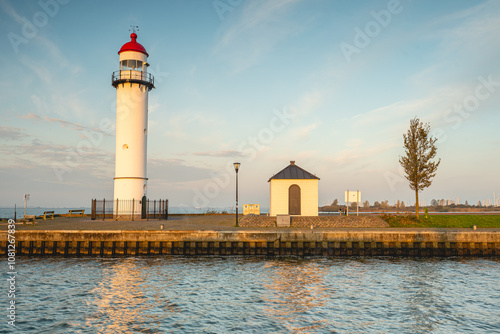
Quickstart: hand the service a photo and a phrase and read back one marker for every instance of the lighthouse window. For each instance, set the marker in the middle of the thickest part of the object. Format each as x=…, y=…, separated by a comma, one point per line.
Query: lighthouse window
x=131, y=64
x=124, y=65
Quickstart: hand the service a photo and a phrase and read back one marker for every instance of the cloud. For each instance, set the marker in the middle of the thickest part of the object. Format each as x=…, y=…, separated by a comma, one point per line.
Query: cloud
x=11, y=133
x=469, y=36
x=481, y=8
x=42, y=152
x=7, y=8
x=223, y=153
x=477, y=33
x=39, y=182
x=63, y=123
x=261, y=25
x=185, y=123
x=38, y=67
x=359, y=153
x=169, y=171
x=67, y=163
x=43, y=86
x=304, y=131
x=307, y=103
x=52, y=57
x=61, y=102
x=429, y=108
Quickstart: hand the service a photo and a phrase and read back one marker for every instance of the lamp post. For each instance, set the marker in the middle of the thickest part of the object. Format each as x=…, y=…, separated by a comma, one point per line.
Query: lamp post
x=236, y=168
x=26, y=199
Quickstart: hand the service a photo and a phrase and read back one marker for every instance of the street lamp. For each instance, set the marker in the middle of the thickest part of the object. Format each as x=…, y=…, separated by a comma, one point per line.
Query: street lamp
x=26, y=199
x=236, y=168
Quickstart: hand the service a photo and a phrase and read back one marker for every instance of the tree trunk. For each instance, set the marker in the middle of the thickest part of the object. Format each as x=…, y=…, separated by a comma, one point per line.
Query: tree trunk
x=416, y=204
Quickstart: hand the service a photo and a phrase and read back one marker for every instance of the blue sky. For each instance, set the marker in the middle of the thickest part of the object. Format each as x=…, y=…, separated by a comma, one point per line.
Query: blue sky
x=329, y=84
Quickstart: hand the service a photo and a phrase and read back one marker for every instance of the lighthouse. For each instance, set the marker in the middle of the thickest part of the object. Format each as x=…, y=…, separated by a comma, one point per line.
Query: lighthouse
x=133, y=83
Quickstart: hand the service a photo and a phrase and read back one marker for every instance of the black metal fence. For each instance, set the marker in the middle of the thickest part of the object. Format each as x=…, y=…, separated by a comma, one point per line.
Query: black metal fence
x=129, y=209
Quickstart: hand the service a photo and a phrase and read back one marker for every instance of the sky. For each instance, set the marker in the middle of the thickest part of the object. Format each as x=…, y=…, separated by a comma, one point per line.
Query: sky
x=331, y=85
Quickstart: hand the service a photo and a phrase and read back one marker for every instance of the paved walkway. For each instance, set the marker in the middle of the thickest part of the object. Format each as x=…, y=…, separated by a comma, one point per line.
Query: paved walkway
x=197, y=222
x=189, y=223
x=175, y=222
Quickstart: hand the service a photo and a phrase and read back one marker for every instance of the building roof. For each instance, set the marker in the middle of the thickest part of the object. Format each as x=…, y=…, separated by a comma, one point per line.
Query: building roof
x=133, y=45
x=293, y=172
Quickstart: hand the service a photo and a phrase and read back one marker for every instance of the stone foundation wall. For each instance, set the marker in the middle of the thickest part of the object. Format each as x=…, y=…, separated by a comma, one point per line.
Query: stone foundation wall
x=316, y=221
x=257, y=221
x=284, y=242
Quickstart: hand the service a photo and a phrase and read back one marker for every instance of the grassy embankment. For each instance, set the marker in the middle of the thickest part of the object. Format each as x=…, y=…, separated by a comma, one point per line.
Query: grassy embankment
x=447, y=221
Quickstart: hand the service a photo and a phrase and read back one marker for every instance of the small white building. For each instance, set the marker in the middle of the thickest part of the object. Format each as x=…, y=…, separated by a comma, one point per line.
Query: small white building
x=293, y=191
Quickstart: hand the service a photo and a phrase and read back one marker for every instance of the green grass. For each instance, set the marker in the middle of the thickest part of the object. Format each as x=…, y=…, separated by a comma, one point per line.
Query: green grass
x=447, y=221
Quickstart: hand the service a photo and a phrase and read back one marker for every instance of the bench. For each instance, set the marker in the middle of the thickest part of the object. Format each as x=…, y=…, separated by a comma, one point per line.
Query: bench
x=29, y=218
x=50, y=213
x=80, y=212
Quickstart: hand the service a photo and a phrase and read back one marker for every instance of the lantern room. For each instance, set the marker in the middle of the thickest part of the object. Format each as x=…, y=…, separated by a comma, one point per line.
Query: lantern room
x=133, y=65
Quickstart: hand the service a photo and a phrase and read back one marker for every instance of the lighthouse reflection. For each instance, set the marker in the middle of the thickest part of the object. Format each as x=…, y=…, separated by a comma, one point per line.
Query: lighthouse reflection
x=124, y=301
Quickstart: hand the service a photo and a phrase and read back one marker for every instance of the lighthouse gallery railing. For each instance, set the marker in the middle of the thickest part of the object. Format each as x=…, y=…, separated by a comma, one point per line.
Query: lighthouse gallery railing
x=123, y=76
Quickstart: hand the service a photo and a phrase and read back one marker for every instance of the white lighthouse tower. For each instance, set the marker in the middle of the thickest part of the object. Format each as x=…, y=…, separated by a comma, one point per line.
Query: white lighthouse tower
x=132, y=83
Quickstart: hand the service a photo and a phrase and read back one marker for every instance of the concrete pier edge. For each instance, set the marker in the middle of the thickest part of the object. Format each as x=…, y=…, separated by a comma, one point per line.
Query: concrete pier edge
x=258, y=242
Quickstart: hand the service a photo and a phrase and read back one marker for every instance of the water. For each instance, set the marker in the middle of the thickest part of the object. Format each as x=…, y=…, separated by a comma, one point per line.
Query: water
x=8, y=212
x=255, y=295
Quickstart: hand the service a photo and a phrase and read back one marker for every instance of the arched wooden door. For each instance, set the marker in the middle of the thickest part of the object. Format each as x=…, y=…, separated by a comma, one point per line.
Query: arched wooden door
x=294, y=200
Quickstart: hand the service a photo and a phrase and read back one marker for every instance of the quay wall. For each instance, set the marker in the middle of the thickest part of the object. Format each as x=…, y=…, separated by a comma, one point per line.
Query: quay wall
x=300, y=243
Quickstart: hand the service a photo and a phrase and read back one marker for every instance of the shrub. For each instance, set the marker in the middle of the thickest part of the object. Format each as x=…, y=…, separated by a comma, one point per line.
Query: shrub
x=401, y=221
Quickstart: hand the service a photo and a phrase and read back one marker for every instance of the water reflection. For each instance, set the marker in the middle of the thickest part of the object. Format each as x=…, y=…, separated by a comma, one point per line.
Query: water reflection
x=124, y=300
x=258, y=295
x=295, y=293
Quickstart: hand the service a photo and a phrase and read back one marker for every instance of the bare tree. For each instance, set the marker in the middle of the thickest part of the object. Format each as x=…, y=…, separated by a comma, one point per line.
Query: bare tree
x=417, y=162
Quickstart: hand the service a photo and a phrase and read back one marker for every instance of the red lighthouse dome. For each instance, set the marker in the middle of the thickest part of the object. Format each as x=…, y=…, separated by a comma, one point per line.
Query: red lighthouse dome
x=133, y=45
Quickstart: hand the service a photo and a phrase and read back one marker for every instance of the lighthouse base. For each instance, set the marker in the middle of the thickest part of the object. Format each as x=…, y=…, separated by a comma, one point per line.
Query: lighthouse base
x=128, y=209
x=128, y=196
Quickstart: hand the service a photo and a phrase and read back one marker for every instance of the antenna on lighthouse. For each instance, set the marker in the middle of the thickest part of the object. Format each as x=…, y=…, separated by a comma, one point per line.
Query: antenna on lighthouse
x=134, y=28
